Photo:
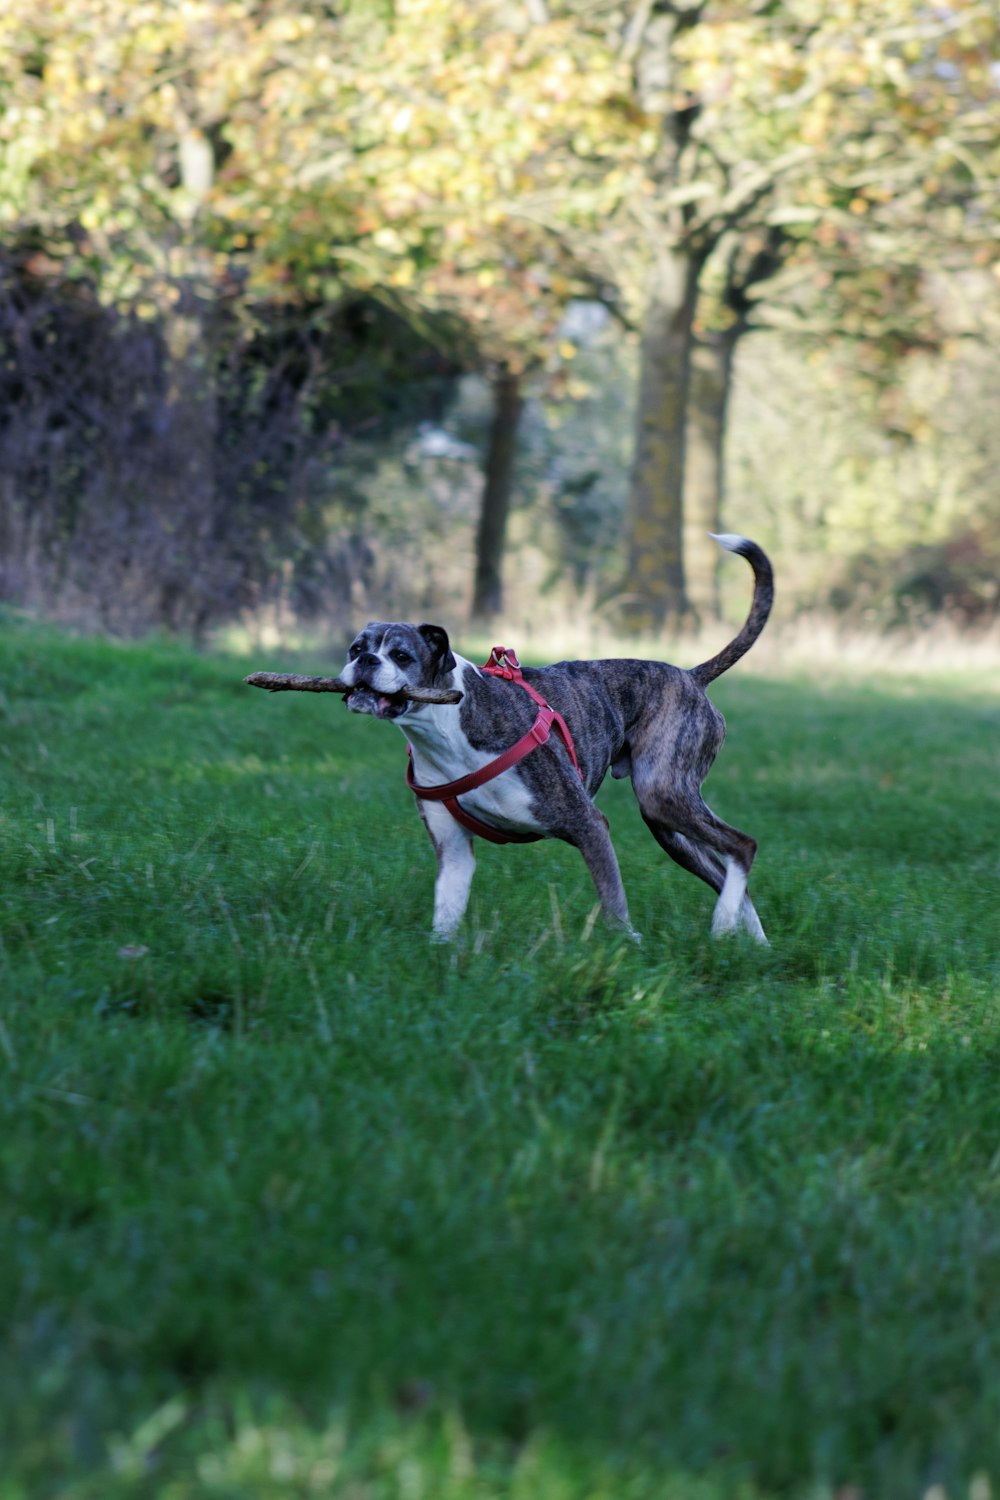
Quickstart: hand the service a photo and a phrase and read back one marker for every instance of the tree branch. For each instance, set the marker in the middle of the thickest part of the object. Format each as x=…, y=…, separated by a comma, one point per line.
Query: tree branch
x=284, y=682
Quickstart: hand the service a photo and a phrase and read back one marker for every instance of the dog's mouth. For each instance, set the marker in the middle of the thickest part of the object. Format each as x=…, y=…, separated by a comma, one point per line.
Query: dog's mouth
x=363, y=699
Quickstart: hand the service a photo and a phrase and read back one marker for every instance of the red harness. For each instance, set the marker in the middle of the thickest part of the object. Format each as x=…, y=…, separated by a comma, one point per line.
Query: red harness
x=503, y=662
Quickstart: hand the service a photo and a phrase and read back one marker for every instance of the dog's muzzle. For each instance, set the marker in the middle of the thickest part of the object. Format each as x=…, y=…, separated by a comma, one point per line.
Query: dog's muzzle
x=363, y=699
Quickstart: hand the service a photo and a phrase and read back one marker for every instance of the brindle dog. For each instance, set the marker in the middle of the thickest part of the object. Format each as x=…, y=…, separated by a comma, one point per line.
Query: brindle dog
x=643, y=719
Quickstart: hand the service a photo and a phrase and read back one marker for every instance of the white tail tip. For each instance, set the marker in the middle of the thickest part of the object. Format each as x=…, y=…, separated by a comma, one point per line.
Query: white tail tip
x=729, y=540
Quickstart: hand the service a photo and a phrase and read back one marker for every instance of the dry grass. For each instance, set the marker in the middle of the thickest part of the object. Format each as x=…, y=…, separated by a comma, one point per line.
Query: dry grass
x=550, y=633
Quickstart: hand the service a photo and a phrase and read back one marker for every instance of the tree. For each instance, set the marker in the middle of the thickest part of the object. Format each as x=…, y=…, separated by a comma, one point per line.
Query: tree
x=789, y=118
x=475, y=165
x=860, y=238
x=136, y=144
x=496, y=145
x=439, y=156
x=725, y=315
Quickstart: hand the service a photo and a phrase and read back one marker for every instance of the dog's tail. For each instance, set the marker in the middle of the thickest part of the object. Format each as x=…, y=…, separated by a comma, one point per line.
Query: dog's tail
x=760, y=608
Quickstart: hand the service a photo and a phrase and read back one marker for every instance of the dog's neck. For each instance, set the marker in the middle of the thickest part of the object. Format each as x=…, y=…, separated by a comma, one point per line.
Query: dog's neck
x=435, y=732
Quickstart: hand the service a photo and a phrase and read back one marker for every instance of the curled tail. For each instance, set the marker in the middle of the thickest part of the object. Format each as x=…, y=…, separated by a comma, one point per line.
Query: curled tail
x=760, y=608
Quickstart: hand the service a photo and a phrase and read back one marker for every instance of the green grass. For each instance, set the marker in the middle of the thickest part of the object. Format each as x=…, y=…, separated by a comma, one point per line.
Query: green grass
x=295, y=1203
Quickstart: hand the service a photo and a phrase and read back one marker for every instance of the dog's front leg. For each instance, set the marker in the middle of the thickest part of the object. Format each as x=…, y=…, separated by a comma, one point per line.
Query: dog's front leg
x=453, y=846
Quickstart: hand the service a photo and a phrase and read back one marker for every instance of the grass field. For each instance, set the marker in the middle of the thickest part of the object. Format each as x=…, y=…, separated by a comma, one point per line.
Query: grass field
x=296, y=1204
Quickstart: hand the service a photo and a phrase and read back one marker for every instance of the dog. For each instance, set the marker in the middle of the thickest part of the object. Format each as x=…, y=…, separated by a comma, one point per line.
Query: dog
x=643, y=719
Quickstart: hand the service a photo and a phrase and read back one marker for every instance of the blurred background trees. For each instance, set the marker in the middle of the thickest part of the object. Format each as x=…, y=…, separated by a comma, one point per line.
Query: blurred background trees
x=307, y=307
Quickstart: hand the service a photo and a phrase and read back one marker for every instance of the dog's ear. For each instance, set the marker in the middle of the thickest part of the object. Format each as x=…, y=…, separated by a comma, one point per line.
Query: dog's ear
x=437, y=638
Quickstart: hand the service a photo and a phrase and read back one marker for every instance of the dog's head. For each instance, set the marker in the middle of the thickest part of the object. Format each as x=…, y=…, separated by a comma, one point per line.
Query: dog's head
x=386, y=658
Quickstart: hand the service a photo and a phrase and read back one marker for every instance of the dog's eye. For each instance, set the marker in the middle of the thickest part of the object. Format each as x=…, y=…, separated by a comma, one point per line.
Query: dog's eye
x=354, y=650
x=400, y=657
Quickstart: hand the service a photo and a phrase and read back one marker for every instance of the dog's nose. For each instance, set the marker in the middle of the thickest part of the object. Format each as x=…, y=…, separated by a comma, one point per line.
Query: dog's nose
x=366, y=661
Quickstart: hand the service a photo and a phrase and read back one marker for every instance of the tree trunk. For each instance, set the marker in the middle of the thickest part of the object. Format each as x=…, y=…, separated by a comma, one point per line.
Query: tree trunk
x=704, y=477
x=752, y=260
x=655, y=580
x=189, y=497
x=498, y=481
x=186, y=586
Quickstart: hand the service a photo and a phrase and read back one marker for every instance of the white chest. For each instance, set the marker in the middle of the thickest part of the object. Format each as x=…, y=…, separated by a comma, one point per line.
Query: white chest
x=441, y=753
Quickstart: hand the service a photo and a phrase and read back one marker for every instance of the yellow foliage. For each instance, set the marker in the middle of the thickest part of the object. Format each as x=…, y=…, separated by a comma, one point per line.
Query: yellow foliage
x=471, y=131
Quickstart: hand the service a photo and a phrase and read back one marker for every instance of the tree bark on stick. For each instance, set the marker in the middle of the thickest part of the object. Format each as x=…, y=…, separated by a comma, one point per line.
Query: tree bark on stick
x=292, y=682
x=498, y=483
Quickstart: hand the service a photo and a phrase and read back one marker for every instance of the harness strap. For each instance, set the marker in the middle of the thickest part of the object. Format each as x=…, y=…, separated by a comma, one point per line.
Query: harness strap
x=503, y=663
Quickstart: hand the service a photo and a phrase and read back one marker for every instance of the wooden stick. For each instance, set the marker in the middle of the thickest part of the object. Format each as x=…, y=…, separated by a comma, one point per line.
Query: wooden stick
x=284, y=682
x=281, y=682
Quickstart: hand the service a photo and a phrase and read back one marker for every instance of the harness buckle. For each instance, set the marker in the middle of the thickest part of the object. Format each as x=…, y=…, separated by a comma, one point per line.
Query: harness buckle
x=542, y=727
x=503, y=662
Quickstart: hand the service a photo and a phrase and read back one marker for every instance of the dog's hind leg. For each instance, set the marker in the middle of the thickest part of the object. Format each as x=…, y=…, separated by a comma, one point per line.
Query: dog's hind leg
x=700, y=842
x=689, y=855
x=700, y=861
x=751, y=922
